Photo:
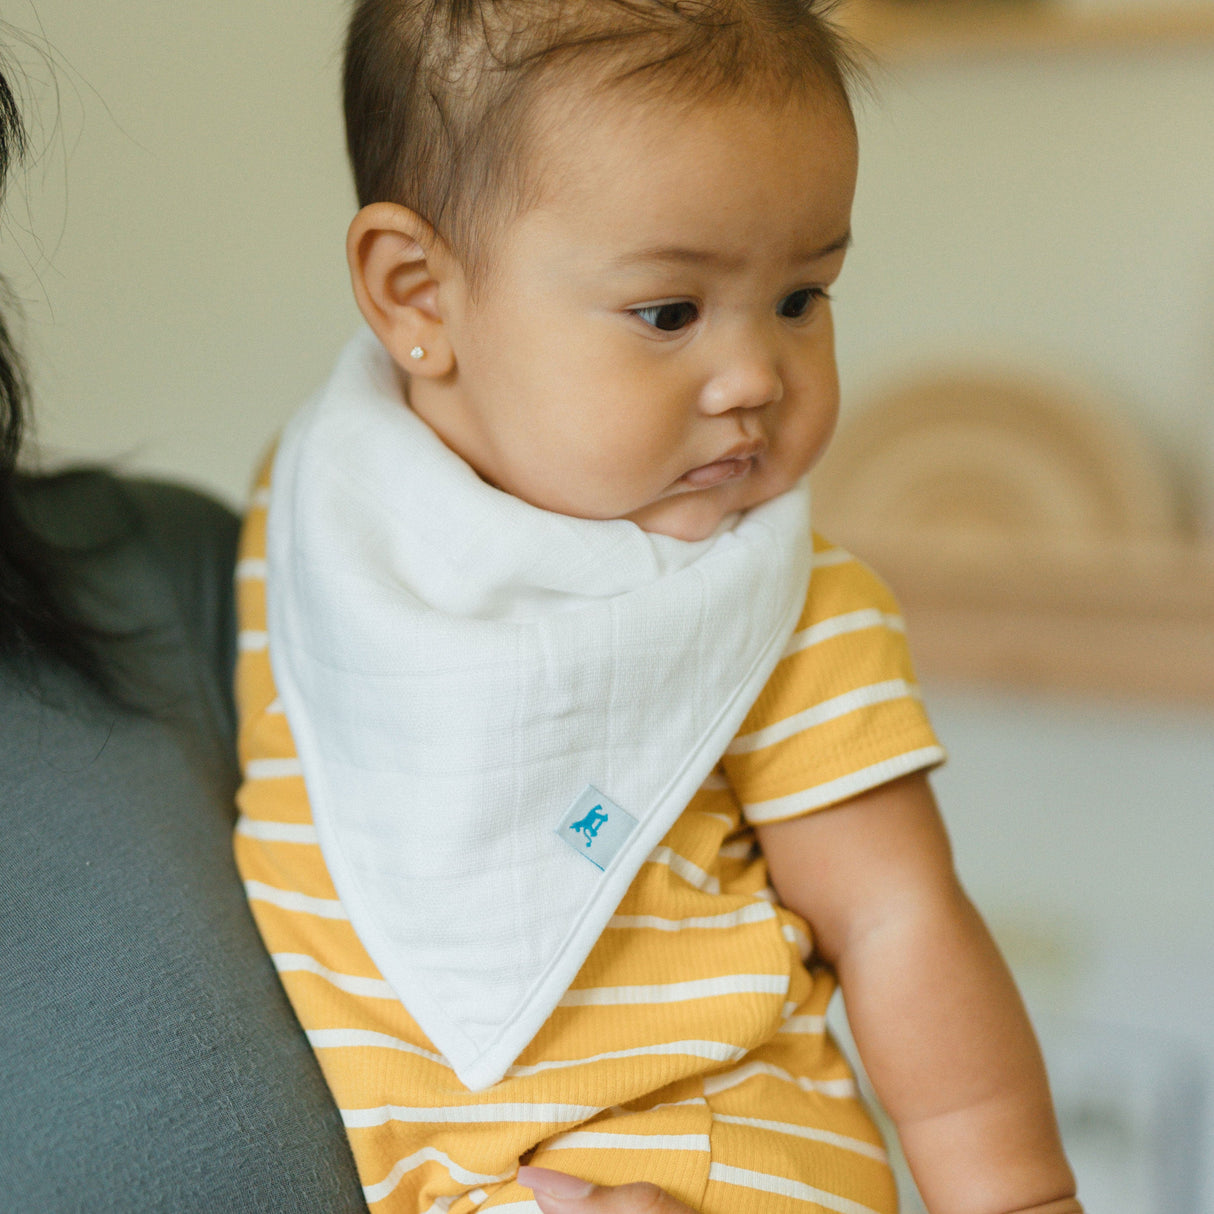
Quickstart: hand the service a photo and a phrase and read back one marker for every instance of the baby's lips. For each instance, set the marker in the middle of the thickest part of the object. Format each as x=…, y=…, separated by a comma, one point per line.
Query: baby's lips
x=716, y=473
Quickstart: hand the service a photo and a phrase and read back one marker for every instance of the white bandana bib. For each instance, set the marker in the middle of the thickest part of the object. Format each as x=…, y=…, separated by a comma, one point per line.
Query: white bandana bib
x=499, y=710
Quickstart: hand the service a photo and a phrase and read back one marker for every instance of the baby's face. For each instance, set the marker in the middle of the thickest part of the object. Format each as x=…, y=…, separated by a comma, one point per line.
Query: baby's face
x=654, y=339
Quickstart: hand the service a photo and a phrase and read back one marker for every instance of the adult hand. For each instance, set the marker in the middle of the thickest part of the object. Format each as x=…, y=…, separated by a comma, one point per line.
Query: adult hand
x=558, y=1193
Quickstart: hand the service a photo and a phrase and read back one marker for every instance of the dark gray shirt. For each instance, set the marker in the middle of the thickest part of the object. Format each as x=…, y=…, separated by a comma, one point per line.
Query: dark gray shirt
x=149, y=1059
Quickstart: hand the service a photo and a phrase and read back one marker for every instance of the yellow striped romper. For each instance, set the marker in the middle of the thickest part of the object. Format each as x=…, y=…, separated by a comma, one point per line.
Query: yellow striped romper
x=691, y=1050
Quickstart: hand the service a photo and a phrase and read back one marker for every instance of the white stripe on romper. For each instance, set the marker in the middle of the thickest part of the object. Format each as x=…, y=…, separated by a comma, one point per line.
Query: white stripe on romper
x=289, y=899
x=844, y=787
x=819, y=714
x=542, y=1114
x=716, y=1051
x=377, y=1192
x=804, y=1024
x=841, y=625
x=276, y=832
x=301, y=963
x=272, y=769
x=800, y=1131
x=677, y=992
x=765, y=1183
x=337, y=1039
x=251, y=569
x=589, y=1139
x=757, y=912
x=714, y=1084
x=691, y=873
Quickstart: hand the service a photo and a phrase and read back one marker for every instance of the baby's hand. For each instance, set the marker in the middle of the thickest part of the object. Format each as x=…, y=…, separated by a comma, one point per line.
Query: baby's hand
x=558, y=1193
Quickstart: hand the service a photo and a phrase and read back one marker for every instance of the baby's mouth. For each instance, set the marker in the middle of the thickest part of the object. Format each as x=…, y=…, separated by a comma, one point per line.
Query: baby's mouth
x=729, y=467
x=715, y=474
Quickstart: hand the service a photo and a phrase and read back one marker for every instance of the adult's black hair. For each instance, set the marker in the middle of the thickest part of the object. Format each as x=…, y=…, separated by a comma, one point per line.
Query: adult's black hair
x=38, y=622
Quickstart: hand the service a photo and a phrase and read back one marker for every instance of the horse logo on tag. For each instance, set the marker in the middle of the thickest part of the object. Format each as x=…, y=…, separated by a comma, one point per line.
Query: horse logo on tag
x=596, y=827
x=589, y=825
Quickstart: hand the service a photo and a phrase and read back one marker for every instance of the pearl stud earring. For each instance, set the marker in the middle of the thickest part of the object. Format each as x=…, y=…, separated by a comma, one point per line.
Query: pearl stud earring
x=417, y=352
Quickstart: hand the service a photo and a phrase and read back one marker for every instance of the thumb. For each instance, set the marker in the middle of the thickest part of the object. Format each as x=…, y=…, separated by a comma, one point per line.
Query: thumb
x=558, y=1193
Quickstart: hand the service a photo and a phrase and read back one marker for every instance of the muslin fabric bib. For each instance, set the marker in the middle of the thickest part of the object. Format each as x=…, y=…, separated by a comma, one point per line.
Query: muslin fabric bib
x=499, y=711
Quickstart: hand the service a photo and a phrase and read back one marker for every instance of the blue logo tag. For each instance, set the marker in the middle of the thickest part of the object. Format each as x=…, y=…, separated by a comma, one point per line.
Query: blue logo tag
x=596, y=827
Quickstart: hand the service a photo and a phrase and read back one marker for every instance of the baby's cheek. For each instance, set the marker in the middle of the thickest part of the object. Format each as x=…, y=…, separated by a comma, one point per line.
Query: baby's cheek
x=805, y=433
x=596, y=479
x=636, y=453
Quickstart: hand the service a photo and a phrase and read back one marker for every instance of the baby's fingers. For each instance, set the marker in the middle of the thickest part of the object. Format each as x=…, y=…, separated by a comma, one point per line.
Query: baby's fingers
x=558, y=1193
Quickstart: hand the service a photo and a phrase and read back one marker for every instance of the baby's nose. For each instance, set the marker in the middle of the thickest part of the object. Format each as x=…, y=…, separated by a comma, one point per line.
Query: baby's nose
x=747, y=380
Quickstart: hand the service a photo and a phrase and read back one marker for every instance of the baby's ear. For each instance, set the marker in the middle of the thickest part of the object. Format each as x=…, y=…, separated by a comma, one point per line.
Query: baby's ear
x=396, y=260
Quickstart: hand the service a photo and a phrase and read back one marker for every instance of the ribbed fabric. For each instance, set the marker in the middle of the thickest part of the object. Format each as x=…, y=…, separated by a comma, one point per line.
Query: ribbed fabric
x=691, y=1049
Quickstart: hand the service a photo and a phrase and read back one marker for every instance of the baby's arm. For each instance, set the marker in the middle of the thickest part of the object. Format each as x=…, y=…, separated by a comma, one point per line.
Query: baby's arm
x=935, y=1014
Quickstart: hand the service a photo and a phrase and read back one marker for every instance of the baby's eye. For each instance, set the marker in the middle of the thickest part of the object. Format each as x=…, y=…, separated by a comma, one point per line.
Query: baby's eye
x=669, y=317
x=796, y=305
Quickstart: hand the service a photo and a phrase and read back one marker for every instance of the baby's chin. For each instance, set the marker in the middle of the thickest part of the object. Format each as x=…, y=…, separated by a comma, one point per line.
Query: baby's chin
x=697, y=515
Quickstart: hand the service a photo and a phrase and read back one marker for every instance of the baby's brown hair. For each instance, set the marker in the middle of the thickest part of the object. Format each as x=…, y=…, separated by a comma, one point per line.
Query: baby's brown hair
x=440, y=94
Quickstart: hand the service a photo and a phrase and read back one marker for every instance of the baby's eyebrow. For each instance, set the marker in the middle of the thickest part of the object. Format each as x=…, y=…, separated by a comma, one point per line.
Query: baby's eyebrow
x=836, y=246
x=676, y=255
x=681, y=255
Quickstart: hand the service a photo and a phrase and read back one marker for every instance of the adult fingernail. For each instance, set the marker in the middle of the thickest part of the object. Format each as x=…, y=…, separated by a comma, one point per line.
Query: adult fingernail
x=554, y=1184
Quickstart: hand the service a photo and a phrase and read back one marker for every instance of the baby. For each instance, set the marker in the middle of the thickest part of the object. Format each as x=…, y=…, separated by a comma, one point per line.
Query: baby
x=576, y=765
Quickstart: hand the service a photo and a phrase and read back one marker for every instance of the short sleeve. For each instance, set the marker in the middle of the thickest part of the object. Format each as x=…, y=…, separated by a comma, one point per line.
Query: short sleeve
x=841, y=713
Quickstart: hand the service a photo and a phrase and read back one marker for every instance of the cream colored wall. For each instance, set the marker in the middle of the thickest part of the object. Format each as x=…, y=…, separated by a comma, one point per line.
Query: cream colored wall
x=179, y=246
x=1052, y=211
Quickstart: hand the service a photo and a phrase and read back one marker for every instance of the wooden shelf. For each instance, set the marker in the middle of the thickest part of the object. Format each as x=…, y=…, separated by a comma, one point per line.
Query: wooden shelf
x=1031, y=534
x=908, y=30
x=1113, y=618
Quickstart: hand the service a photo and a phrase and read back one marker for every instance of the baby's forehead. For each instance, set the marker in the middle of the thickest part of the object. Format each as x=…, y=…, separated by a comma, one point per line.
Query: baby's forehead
x=572, y=116
x=732, y=185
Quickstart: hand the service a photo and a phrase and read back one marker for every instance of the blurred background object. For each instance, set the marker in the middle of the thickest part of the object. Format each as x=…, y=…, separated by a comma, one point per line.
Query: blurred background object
x=1026, y=335
x=1034, y=536
x=1026, y=339
x=913, y=29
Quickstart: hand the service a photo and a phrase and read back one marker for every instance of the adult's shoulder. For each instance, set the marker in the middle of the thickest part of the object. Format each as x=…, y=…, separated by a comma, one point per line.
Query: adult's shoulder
x=192, y=540
x=91, y=512
x=89, y=505
x=148, y=1055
